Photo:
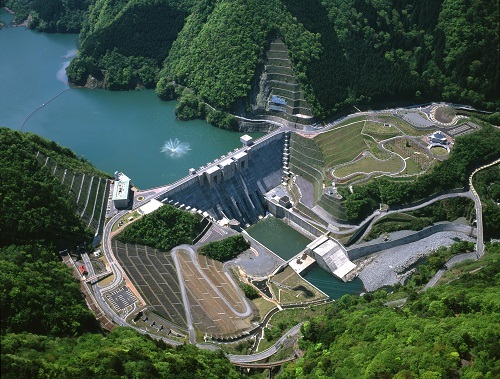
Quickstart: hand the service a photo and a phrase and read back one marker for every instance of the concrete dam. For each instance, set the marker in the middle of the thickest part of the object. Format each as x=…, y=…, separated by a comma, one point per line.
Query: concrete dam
x=233, y=186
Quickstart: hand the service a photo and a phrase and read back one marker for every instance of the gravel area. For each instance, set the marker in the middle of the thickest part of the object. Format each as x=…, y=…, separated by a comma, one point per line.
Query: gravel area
x=257, y=266
x=385, y=267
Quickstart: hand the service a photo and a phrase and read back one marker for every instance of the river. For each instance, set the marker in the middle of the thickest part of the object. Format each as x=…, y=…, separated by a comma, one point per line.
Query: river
x=116, y=131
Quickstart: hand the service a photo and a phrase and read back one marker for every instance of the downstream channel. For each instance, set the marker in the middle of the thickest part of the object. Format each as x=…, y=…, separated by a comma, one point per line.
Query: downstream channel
x=286, y=242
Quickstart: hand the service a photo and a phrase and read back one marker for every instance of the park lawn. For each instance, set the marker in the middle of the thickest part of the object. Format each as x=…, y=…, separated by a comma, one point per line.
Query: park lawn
x=379, y=130
x=125, y=218
x=404, y=127
x=411, y=167
x=373, y=147
x=439, y=151
x=369, y=164
x=263, y=306
x=341, y=145
x=398, y=150
x=301, y=290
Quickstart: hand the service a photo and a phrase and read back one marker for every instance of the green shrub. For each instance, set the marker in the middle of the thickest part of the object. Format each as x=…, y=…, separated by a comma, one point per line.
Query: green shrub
x=225, y=249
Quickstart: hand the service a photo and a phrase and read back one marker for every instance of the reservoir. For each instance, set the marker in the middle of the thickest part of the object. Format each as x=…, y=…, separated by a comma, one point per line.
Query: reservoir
x=286, y=242
x=116, y=131
x=120, y=131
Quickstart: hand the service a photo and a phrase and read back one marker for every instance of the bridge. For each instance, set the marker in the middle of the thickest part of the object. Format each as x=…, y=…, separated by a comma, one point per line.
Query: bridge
x=265, y=364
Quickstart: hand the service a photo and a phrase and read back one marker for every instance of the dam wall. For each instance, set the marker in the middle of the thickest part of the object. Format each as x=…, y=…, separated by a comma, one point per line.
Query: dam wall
x=232, y=187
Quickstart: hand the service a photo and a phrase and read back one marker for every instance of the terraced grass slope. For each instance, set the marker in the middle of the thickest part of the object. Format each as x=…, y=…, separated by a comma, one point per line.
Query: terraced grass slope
x=154, y=274
x=88, y=190
x=306, y=160
x=341, y=145
x=281, y=81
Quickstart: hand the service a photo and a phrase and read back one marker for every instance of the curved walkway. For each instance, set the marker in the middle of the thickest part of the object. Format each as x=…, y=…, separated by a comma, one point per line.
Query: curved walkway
x=378, y=215
x=189, y=318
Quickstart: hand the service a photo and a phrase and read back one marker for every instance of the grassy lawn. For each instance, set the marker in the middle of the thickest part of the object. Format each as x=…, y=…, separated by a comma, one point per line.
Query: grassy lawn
x=372, y=146
x=411, y=167
x=369, y=164
x=341, y=145
x=125, y=220
x=403, y=126
x=263, y=306
x=440, y=151
x=378, y=129
x=299, y=290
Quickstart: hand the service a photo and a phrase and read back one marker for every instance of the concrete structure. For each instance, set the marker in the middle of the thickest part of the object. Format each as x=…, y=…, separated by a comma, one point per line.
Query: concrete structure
x=331, y=256
x=246, y=140
x=302, y=263
x=121, y=190
x=150, y=206
x=234, y=186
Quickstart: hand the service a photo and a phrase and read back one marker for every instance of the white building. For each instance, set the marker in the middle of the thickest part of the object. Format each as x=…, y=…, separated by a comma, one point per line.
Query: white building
x=121, y=190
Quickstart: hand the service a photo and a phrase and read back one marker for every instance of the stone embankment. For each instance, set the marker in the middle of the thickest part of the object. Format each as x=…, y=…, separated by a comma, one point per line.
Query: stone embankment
x=393, y=265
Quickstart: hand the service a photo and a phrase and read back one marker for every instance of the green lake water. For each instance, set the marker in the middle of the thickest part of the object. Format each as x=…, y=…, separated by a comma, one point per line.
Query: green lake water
x=116, y=131
x=286, y=242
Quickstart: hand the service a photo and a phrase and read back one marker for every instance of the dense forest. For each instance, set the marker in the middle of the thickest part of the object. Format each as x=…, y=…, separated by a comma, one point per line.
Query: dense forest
x=33, y=204
x=226, y=249
x=123, y=43
x=343, y=53
x=61, y=16
x=469, y=152
x=47, y=330
x=163, y=229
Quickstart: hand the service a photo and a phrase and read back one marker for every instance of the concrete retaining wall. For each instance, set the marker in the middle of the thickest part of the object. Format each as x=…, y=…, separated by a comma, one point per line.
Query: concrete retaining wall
x=367, y=249
x=294, y=220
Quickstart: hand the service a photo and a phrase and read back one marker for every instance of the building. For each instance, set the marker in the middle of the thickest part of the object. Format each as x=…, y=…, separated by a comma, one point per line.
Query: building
x=246, y=140
x=277, y=103
x=438, y=137
x=121, y=190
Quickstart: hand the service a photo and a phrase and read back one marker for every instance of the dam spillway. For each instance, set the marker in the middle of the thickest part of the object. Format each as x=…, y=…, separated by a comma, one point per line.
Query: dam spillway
x=233, y=186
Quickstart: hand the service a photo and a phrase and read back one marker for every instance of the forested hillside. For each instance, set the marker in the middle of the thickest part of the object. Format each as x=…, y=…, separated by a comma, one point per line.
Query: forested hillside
x=47, y=330
x=123, y=43
x=450, y=331
x=342, y=52
x=33, y=204
x=62, y=16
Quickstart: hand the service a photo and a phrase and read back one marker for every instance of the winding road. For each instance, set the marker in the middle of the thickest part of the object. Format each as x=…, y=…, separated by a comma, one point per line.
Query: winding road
x=118, y=275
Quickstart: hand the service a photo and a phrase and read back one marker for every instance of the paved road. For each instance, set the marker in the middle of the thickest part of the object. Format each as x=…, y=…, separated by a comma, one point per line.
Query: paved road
x=479, y=208
x=451, y=262
x=268, y=352
x=377, y=214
